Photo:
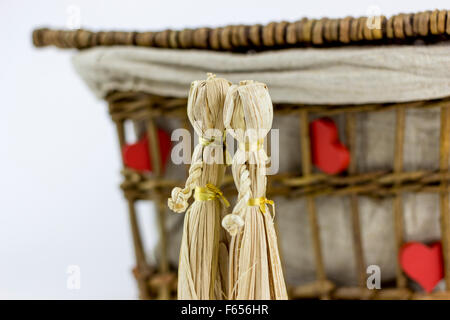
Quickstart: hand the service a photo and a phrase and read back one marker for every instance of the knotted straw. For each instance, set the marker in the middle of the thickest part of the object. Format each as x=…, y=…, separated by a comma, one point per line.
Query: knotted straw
x=203, y=241
x=255, y=270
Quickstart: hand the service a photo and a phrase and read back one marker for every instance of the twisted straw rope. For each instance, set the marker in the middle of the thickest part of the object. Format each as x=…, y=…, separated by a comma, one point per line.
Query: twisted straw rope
x=178, y=202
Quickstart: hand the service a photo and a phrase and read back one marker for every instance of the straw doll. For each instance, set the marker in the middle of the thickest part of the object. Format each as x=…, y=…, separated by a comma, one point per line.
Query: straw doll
x=255, y=270
x=198, y=272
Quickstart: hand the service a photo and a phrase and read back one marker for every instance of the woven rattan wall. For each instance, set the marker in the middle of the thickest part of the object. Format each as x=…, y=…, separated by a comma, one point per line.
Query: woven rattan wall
x=140, y=106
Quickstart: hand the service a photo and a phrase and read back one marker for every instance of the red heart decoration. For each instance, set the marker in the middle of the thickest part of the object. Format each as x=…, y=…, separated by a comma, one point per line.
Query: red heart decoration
x=328, y=153
x=424, y=264
x=137, y=155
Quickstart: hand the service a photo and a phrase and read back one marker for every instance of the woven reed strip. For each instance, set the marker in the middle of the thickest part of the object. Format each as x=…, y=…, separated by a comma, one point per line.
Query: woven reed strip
x=400, y=28
x=138, y=105
x=275, y=218
x=330, y=110
x=142, y=268
x=186, y=126
x=444, y=196
x=380, y=178
x=153, y=145
x=315, y=290
x=368, y=190
x=356, y=229
x=398, y=200
x=372, y=184
x=312, y=214
x=378, y=182
x=159, y=199
x=379, y=186
x=311, y=291
x=156, y=280
x=388, y=294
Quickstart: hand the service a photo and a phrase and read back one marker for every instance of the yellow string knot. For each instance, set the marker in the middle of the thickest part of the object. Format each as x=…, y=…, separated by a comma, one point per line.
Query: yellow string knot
x=210, y=192
x=251, y=146
x=261, y=203
x=206, y=141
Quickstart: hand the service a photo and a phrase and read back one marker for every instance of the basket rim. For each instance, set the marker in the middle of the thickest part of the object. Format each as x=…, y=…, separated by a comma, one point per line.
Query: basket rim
x=425, y=26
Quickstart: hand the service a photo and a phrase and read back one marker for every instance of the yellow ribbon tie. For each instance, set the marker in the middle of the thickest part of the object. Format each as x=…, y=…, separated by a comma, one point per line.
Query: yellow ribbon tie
x=206, y=141
x=251, y=146
x=210, y=192
x=261, y=203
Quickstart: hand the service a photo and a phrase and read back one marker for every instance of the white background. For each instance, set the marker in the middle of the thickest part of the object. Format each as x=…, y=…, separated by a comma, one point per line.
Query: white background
x=60, y=203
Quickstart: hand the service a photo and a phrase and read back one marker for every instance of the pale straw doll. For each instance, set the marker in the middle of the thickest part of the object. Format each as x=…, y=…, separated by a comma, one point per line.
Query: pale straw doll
x=255, y=270
x=198, y=272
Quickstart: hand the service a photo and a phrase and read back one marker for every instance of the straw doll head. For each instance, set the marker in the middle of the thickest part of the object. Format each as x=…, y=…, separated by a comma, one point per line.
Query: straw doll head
x=204, y=110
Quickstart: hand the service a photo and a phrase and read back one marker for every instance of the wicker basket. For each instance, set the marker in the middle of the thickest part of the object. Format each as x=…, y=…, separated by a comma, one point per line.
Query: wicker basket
x=160, y=281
